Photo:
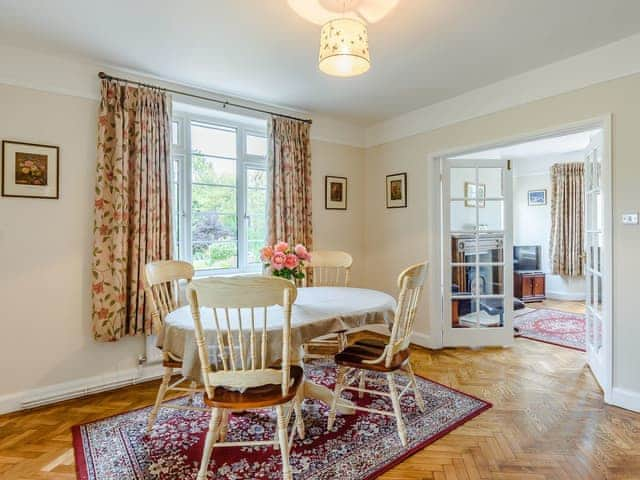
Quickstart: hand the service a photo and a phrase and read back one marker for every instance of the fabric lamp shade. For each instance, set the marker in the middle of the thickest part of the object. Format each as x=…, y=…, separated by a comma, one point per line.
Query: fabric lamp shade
x=344, y=48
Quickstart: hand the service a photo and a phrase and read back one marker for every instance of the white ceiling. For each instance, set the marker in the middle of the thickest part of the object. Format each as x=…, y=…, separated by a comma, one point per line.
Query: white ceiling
x=549, y=146
x=423, y=51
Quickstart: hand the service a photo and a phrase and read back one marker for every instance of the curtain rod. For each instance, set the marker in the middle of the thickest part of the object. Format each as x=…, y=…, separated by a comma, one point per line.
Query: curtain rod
x=224, y=103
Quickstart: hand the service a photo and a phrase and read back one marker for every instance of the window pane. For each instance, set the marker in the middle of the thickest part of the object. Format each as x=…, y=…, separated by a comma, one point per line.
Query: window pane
x=256, y=178
x=214, y=240
x=256, y=145
x=257, y=230
x=205, y=198
x=213, y=171
x=256, y=200
x=216, y=255
x=254, y=251
x=213, y=140
x=175, y=133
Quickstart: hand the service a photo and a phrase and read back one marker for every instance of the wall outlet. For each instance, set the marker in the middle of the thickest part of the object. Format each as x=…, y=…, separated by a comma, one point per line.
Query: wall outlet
x=630, y=218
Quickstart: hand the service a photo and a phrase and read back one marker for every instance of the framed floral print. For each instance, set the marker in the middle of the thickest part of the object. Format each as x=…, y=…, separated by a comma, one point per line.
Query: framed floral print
x=30, y=170
x=335, y=193
x=397, y=190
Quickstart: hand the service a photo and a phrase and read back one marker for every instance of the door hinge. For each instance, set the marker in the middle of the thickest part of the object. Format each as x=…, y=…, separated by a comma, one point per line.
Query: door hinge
x=508, y=164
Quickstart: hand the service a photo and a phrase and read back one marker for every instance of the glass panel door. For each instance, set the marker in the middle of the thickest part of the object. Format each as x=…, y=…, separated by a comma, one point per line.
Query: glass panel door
x=598, y=323
x=477, y=246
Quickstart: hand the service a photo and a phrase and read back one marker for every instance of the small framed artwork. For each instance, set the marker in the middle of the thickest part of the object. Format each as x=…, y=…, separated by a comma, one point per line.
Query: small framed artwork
x=474, y=192
x=537, y=197
x=335, y=193
x=30, y=170
x=397, y=190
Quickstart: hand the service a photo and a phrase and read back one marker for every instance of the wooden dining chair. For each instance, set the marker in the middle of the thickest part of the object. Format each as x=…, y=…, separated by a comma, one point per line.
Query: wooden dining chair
x=389, y=357
x=162, y=286
x=327, y=268
x=245, y=380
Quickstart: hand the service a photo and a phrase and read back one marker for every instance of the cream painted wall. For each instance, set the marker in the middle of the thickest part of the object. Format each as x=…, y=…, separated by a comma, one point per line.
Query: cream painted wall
x=339, y=229
x=45, y=248
x=532, y=224
x=395, y=238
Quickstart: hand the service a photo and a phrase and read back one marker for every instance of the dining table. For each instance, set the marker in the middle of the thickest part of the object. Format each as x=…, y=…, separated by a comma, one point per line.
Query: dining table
x=317, y=311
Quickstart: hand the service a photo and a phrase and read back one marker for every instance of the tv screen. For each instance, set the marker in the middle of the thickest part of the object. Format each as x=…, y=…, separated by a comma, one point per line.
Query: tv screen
x=526, y=257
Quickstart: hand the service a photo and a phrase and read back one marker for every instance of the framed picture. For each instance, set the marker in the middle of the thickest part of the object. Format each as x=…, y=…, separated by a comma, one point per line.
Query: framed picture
x=537, y=197
x=397, y=190
x=474, y=192
x=30, y=170
x=335, y=193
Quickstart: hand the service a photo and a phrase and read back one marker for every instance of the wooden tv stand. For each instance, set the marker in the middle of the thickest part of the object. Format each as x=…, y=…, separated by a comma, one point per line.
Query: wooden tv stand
x=529, y=286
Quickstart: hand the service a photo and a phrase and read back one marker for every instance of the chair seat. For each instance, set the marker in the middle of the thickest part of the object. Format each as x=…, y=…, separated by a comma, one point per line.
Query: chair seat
x=171, y=363
x=256, y=397
x=355, y=355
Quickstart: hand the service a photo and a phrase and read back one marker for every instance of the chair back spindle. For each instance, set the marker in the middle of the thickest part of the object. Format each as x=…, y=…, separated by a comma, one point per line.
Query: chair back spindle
x=241, y=308
x=162, y=286
x=411, y=283
x=330, y=268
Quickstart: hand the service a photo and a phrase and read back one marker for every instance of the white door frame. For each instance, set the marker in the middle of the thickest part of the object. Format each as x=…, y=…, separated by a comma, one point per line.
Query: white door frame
x=434, y=222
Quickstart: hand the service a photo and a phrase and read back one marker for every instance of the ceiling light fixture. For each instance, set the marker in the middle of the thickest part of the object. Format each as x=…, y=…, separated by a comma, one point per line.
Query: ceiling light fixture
x=344, y=47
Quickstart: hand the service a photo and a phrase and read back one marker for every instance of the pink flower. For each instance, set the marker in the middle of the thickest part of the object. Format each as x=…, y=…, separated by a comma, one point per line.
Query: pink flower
x=278, y=260
x=281, y=247
x=301, y=252
x=291, y=261
x=266, y=253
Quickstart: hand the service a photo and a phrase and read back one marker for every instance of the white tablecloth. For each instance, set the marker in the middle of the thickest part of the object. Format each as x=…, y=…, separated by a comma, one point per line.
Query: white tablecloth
x=317, y=311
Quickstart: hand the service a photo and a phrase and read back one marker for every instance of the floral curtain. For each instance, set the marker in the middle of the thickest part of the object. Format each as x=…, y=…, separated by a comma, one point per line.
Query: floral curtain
x=132, y=223
x=567, y=219
x=289, y=183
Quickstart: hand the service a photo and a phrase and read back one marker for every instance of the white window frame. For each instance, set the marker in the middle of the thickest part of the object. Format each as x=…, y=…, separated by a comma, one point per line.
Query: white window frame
x=243, y=162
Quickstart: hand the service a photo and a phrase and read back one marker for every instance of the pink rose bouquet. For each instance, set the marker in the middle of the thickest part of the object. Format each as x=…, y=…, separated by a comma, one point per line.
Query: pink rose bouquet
x=284, y=261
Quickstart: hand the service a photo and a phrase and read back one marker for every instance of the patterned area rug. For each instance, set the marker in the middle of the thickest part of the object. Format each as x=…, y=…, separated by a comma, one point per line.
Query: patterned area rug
x=553, y=326
x=360, y=447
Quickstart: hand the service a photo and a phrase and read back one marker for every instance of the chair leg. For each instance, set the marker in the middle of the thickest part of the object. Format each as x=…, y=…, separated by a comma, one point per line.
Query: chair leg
x=284, y=443
x=209, y=442
x=224, y=425
x=336, y=395
x=363, y=383
x=297, y=405
x=414, y=386
x=193, y=385
x=162, y=391
x=393, y=390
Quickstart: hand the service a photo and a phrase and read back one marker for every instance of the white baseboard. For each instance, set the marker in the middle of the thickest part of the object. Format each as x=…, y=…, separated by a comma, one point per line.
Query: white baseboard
x=426, y=341
x=568, y=297
x=37, y=397
x=626, y=399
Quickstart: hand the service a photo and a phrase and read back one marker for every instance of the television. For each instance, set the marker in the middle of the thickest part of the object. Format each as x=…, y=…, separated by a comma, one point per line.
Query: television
x=526, y=257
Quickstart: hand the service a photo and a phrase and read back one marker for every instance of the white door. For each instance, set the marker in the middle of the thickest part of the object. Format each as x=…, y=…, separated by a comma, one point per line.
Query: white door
x=477, y=252
x=597, y=264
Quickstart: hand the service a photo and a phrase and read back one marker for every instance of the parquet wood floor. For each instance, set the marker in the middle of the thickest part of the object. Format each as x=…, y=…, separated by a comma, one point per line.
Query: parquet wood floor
x=562, y=305
x=548, y=422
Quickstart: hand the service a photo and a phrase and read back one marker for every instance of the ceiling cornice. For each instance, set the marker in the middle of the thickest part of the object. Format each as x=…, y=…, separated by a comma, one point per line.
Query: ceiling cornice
x=609, y=62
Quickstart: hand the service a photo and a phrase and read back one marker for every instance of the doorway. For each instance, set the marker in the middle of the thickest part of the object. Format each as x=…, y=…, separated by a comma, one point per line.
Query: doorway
x=479, y=222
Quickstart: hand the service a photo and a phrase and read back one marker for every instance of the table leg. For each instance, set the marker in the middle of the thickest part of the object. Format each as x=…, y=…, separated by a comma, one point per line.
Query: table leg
x=324, y=394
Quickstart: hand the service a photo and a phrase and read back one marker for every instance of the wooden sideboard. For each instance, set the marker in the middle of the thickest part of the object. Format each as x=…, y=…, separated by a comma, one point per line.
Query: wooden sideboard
x=529, y=286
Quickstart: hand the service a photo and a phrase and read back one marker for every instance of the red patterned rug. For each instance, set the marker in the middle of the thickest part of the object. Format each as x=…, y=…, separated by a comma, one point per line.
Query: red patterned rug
x=553, y=326
x=361, y=447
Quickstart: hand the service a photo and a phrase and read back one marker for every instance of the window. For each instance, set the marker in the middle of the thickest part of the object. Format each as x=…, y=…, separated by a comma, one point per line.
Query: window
x=219, y=188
